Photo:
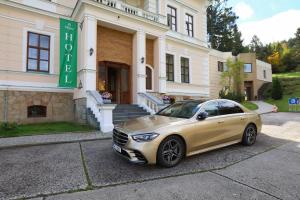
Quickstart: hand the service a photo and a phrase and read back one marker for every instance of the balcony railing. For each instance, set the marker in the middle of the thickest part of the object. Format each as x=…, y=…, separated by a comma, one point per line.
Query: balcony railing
x=133, y=10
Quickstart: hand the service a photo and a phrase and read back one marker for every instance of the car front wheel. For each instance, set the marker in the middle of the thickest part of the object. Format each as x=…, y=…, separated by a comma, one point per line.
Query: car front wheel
x=170, y=151
x=249, y=136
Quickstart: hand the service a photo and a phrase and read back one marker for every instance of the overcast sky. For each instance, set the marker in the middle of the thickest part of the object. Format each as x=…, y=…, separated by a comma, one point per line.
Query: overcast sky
x=270, y=20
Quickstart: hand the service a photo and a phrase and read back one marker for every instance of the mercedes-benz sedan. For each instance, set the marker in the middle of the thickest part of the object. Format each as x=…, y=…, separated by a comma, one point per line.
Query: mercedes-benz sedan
x=185, y=128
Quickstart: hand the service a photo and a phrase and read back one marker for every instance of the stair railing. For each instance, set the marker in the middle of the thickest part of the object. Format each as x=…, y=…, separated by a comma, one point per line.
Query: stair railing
x=151, y=103
x=103, y=112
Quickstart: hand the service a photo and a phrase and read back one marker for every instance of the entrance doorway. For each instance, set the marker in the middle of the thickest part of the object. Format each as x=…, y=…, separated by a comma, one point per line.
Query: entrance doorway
x=114, y=78
x=248, y=90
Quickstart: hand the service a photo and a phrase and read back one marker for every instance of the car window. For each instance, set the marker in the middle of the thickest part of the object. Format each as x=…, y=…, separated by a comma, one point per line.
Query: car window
x=227, y=107
x=212, y=108
x=181, y=109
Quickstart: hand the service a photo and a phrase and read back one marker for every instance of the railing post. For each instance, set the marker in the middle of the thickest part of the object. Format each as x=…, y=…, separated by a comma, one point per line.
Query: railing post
x=106, y=122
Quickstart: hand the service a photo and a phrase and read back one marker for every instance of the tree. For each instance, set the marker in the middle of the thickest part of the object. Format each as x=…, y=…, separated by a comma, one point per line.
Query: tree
x=232, y=80
x=277, y=90
x=223, y=33
x=255, y=45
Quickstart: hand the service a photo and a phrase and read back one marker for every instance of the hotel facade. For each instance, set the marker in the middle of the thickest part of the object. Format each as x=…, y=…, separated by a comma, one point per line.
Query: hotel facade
x=137, y=50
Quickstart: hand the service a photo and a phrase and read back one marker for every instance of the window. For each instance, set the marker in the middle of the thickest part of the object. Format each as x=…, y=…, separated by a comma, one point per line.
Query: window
x=38, y=52
x=227, y=107
x=36, y=111
x=185, y=70
x=212, y=109
x=148, y=78
x=172, y=18
x=248, y=67
x=189, y=25
x=265, y=74
x=220, y=66
x=170, y=67
x=181, y=109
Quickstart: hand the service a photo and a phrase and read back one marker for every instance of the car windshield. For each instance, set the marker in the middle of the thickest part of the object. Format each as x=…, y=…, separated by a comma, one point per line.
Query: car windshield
x=181, y=109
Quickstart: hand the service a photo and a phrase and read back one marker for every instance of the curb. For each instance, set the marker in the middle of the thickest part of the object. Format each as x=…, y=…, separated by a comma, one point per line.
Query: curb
x=52, y=142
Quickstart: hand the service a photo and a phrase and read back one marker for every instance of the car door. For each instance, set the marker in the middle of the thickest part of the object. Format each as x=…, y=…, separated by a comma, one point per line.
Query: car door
x=232, y=120
x=205, y=133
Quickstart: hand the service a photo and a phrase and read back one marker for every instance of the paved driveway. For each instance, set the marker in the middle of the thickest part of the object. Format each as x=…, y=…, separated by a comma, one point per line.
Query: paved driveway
x=90, y=170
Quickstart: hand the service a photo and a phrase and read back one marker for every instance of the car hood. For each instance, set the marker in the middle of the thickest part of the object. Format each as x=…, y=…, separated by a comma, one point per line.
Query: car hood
x=148, y=124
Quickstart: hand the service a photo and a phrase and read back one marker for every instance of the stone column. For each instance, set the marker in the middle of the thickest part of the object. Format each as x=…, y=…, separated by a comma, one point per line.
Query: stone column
x=86, y=69
x=160, y=53
x=139, y=67
x=87, y=56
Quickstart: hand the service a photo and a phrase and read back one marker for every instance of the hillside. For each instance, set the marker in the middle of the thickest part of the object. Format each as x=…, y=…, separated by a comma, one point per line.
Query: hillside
x=291, y=88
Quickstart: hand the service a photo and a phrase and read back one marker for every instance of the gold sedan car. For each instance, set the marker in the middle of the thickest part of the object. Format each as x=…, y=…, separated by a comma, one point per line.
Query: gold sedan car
x=185, y=128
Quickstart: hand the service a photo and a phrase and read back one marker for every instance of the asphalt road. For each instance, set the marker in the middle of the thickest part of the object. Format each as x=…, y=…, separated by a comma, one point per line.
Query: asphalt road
x=90, y=170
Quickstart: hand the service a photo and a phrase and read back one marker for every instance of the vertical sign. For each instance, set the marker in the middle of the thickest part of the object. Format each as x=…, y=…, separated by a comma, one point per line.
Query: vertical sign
x=68, y=54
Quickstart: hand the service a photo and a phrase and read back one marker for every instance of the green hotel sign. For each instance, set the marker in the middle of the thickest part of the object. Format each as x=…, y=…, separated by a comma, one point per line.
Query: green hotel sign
x=68, y=54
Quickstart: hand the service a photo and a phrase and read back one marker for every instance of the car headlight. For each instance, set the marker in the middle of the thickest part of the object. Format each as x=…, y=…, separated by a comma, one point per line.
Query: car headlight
x=145, y=137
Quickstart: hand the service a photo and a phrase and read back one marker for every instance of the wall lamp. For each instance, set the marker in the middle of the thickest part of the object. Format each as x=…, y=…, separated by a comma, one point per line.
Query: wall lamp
x=91, y=51
x=79, y=85
x=142, y=60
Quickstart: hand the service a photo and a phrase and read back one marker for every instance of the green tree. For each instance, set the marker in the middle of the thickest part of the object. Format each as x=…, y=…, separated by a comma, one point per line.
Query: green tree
x=232, y=80
x=277, y=90
x=223, y=33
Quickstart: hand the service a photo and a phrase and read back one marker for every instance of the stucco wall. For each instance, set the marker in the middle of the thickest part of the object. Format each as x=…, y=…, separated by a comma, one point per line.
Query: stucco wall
x=13, y=39
x=199, y=70
x=214, y=75
x=261, y=66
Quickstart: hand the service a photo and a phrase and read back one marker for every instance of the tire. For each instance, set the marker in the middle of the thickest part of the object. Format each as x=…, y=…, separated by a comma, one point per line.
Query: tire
x=170, y=151
x=249, y=136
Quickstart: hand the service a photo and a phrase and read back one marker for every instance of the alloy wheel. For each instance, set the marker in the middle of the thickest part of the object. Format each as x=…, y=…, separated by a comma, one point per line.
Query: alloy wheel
x=251, y=134
x=171, y=151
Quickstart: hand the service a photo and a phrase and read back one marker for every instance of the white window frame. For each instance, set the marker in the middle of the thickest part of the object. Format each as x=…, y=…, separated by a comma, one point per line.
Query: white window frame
x=190, y=68
x=24, y=48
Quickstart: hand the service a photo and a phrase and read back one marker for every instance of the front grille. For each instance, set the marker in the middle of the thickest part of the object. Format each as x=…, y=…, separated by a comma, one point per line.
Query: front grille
x=119, y=137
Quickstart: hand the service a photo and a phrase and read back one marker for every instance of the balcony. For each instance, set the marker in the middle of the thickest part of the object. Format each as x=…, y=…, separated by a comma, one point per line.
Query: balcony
x=134, y=10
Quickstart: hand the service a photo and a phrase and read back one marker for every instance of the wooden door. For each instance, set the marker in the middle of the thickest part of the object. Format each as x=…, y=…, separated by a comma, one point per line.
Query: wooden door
x=115, y=78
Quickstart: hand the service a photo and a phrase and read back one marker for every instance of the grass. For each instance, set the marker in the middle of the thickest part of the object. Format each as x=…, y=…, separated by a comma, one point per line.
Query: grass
x=291, y=88
x=282, y=104
x=44, y=128
x=250, y=105
x=287, y=75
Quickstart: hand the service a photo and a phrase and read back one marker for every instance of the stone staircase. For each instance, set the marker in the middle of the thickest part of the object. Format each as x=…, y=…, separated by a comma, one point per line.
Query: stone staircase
x=124, y=112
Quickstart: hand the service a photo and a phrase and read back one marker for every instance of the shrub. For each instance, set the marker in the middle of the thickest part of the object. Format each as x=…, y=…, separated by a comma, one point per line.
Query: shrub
x=226, y=94
x=277, y=90
x=6, y=126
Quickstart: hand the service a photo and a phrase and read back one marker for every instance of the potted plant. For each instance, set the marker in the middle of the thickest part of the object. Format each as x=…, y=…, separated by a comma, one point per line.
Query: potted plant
x=106, y=96
x=166, y=99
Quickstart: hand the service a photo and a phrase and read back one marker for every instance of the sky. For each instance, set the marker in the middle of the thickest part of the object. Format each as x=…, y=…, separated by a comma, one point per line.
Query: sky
x=270, y=20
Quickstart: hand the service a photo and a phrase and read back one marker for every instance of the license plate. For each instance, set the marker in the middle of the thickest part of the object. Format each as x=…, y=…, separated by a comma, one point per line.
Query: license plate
x=117, y=148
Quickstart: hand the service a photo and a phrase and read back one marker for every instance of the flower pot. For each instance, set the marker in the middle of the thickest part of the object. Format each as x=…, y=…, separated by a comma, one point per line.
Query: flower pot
x=106, y=101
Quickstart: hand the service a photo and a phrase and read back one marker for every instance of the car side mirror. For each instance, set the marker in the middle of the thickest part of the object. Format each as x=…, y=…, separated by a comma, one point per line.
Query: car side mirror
x=202, y=115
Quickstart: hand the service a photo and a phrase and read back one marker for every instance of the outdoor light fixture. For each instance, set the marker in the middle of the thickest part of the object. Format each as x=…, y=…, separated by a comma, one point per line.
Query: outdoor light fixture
x=81, y=25
x=80, y=85
x=91, y=51
x=142, y=60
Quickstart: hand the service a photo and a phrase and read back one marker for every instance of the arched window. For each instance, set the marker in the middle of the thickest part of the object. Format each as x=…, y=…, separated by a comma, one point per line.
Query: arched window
x=149, y=78
x=36, y=111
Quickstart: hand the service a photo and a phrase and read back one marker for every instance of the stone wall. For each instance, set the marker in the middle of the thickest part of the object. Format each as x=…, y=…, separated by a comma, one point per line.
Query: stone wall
x=60, y=106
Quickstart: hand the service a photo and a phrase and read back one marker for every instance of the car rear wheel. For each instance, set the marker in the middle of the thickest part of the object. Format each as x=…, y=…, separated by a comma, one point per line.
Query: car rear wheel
x=249, y=136
x=170, y=151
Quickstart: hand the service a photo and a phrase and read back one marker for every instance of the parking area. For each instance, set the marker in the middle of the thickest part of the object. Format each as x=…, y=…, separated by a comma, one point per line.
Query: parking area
x=270, y=169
